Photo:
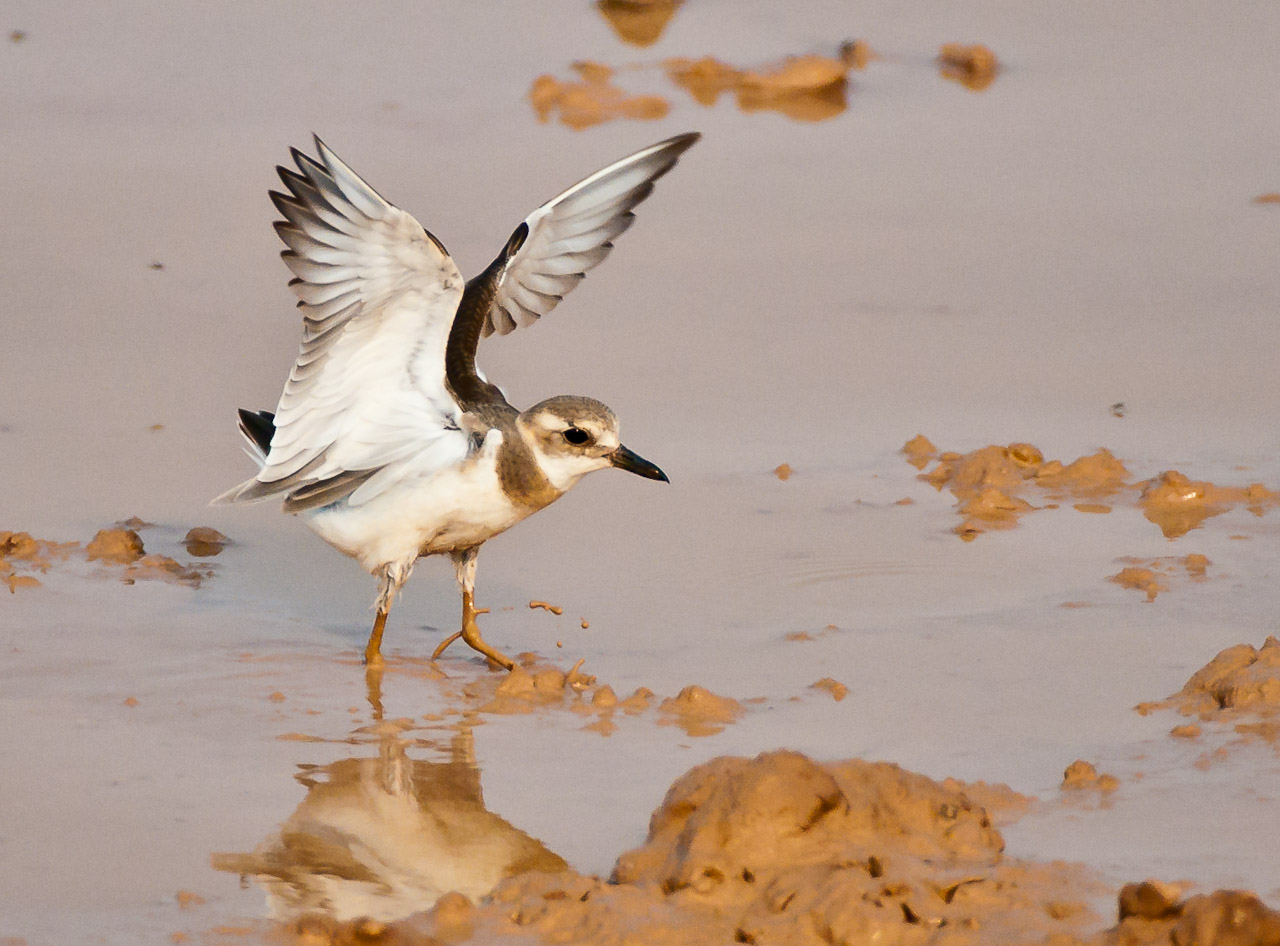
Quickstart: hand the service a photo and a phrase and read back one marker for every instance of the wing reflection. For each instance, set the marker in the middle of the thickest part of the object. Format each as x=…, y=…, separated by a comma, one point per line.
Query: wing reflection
x=387, y=836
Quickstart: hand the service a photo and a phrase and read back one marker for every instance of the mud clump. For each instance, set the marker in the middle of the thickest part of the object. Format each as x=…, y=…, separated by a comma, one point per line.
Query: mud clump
x=116, y=546
x=204, y=542
x=699, y=712
x=1152, y=576
x=835, y=688
x=973, y=66
x=1239, y=679
x=808, y=88
x=920, y=450
x=1239, y=687
x=21, y=554
x=1140, y=579
x=1084, y=776
x=591, y=100
x=534, y=686
x=638, y=22
x=1177, y=504
x=992, y=486
x=1150, y=913
x=988, y=483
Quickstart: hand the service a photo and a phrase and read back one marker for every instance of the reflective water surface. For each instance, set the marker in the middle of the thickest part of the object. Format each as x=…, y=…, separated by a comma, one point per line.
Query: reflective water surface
x=982, y=267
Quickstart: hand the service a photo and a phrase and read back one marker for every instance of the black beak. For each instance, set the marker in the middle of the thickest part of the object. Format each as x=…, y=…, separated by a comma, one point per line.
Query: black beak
x=624, y=459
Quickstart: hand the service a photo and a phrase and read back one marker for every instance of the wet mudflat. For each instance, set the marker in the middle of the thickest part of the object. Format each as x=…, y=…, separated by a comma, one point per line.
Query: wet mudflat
x=1028, y=268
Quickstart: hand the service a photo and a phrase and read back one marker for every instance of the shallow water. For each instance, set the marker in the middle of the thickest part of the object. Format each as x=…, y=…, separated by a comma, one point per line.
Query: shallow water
x=980, y=267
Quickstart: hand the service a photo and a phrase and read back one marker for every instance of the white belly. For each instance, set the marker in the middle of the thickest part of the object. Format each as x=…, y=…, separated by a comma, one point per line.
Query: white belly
x=455, y=508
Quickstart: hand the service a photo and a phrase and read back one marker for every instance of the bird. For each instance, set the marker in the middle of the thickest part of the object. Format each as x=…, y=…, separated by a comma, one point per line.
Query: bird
x=387, y=441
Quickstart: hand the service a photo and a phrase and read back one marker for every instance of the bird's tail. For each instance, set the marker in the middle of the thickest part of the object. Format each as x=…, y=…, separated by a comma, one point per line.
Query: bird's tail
x=257, y=427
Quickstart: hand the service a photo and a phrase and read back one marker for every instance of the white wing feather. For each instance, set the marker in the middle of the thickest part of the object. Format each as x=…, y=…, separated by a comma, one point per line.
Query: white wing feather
x=378, y=294
x=574, y=232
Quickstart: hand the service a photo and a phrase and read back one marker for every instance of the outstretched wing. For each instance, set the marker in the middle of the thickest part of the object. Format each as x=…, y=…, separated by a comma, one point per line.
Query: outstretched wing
x=574, y=232
x=378, y=294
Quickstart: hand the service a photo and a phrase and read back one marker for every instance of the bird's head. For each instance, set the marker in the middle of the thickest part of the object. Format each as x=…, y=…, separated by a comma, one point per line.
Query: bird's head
x=573, y=436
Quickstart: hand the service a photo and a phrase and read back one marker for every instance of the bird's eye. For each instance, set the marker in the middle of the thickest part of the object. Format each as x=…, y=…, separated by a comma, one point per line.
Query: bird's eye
x=577, y=436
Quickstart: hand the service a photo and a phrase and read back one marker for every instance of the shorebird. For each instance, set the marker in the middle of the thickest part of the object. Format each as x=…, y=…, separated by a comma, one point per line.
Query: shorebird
x=387, y=441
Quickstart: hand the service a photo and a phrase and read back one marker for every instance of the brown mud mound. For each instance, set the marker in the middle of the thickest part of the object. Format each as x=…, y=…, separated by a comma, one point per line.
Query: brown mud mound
x=1152, y=915
x=1177, y=504
x=1239, y=687
x=782, y=850
x=988, y=483
x=995, y=485
x=21, y=554
x=120, y=548
x=1239, y=679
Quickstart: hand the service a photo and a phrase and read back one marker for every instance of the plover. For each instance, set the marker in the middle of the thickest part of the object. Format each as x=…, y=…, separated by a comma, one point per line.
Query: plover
x=387, y=441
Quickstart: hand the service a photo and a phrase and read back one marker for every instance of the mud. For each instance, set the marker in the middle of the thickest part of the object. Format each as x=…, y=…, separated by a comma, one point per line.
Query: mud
x=973, y=66
x=592, y=99
x=638, y=22
x=781, y=849
x=21, y=554
x=1152, y=913
x=1084, y=776
x=204, y=542
x=807, y=88
x=1240, y=680
x=1177, y=504
x=995, y=485
x=1235, y=698
x=835, y=688
x=1157, y=575
x=119, y=548
x=536, y=686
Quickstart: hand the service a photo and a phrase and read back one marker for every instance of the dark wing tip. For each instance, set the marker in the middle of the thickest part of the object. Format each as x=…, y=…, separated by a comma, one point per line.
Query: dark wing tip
x=682, y=143
x=259, y=426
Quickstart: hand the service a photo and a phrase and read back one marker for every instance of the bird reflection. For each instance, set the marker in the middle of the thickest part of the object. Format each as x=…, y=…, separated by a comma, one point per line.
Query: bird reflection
x=387, y=836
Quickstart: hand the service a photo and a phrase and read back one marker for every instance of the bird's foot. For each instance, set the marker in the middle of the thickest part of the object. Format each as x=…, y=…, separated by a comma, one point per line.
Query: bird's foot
x=470, y=635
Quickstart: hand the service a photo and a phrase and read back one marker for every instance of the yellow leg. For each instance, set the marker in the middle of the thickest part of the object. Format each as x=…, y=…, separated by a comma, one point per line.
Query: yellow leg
x=373, y=650
x=470, y=634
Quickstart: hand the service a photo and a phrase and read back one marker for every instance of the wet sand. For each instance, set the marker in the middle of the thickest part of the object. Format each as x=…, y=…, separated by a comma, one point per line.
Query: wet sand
x=1071, y=257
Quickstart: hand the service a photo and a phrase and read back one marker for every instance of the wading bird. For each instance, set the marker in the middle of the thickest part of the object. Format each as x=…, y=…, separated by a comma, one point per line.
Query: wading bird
x=387, y=441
